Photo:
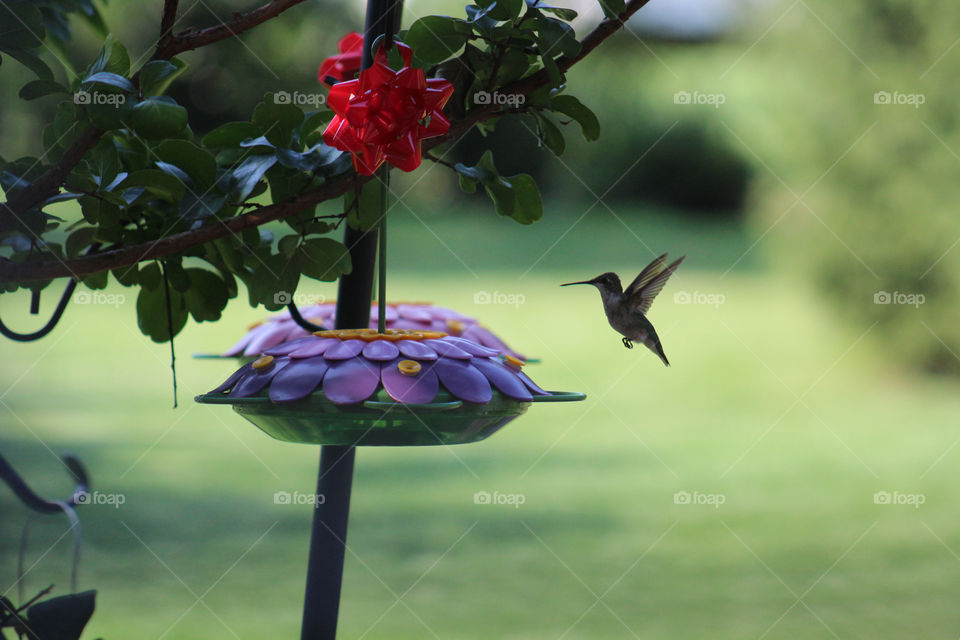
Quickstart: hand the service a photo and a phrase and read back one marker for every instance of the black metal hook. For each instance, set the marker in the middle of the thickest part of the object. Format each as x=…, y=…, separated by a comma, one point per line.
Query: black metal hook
x=300, y=320
x=33, y=501
x=65, y=297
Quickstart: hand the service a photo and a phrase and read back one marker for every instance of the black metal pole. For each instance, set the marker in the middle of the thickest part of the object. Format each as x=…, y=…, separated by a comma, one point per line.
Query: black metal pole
x=328, y=538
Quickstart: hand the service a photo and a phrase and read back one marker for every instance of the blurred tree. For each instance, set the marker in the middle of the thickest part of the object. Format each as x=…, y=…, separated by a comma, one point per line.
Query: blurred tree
x=855, y=114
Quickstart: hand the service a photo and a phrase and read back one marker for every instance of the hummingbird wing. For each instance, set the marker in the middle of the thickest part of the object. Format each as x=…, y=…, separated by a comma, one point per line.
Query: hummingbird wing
x=649, y=272
x=642, y=299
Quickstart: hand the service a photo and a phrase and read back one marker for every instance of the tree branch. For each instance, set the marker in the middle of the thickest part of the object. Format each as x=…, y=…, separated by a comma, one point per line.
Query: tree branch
x=187, y=41
x=167, y=19
x=169, y=45
x=49, y=268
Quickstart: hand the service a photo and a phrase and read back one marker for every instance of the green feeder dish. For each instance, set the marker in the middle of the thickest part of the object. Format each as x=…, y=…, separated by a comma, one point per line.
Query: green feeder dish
x=399, y=388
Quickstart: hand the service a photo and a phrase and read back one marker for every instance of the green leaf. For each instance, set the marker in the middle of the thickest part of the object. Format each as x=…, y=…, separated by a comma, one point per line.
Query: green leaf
x=61, y=618
x=21, y=25
x=560, y=12
x=198, y=163
x=30, y=60
x=79, y=240
x=365, y=213
x=323, y=259
x=556, y=37
x=152, y=311
x=245, y=177
x=95, y=281
x=103, y=161
x=40, y=88
x=467, y=185
x=127, y=276
x=571, y=106
x=158, y=117
x=206, y=296
x=278, y=121
x=515, y=197
x=273, y=279
x=108, y=109
x=111, y=79
x=230, y=134
x=502, y=9
x=550, y=135
x=156, y=76
x=113, y=58
x=613, y=8
x=157, y=182
x=436, y=38
x=528, y=206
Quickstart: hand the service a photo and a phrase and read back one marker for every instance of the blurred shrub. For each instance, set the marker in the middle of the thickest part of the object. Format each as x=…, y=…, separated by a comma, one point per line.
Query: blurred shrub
x=648, y=151
x=854, y=109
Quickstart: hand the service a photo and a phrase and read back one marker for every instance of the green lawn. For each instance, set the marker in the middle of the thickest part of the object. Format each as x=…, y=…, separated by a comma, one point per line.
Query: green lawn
x=599, y=549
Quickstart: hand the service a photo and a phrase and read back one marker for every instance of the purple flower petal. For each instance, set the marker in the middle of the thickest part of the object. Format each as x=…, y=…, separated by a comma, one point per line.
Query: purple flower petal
x=265, y=339
x=485, y=337
x=257, y=379
x=287, y=348
x=344, y=350
x=351, y=381
x=416, y=350
x=503, y=379
x=419, y=389
x=463, y=380
x=470, y=347
x=315, y=348
x=232, y=380
x=531, y=384
x=444, y=314
x=417, y=314
x=238, y=348
x=295, y=331
x=390, y=315
x=409, y=324
x=380, y=350
x=447, y=349
x=298, y=380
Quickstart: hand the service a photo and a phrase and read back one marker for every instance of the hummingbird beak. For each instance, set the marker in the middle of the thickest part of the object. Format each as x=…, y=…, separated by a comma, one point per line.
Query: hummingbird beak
x=572, y=283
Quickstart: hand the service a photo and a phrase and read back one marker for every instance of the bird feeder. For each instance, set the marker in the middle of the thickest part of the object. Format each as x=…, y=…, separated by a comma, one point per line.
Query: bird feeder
x=400, y=387
x=419, y=316
x=354, y=385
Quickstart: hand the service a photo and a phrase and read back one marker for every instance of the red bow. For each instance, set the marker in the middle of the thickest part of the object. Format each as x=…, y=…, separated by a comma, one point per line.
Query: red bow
x=345, y=64
x=379, y=116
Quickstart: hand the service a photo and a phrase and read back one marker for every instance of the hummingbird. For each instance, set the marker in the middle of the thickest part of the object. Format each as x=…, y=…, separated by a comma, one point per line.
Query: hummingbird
x=626, y=310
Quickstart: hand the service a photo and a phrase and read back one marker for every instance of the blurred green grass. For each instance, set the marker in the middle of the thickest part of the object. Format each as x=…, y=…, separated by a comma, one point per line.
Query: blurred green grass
x=599, y=477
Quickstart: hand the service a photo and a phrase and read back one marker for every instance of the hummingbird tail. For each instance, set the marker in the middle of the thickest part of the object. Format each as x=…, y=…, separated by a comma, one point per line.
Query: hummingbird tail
x=653, y=343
